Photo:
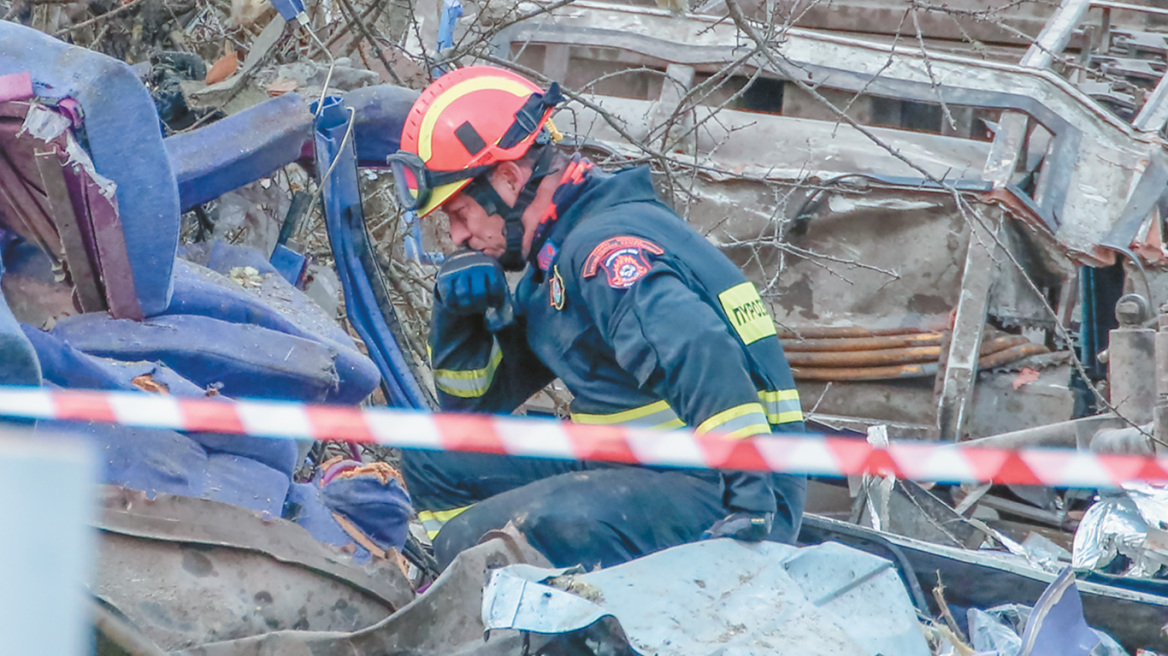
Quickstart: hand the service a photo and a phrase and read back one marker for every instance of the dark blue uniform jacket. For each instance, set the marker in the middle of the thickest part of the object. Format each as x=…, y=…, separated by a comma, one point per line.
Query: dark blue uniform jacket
x=645, y=322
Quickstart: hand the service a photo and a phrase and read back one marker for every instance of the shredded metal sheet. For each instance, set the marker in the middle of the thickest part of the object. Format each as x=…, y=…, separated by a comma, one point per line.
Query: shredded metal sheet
x=721, y=597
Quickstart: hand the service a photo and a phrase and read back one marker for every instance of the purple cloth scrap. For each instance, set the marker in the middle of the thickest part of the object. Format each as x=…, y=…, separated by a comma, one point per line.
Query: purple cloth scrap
x=17, y=86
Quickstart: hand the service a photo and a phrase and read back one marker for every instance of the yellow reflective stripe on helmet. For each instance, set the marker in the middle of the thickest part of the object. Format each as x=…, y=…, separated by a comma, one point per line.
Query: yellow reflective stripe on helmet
x=737, y=422
x=446, y=98
x=470, y=383
x=781, y=406
x=433, y=520
x=654, y=415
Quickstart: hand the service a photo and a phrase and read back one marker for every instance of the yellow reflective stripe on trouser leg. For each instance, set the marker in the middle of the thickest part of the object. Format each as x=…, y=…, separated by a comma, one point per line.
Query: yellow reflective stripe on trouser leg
x=433, y=520
x=654, y=415
x=781, y=406
x=737, y=422
x=472, y=382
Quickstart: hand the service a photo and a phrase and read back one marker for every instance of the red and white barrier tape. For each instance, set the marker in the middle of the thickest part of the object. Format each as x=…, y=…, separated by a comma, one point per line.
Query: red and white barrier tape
x=521, y=436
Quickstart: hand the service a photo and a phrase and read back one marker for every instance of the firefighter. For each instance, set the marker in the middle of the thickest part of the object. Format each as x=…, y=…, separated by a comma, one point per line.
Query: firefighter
x=644, y=321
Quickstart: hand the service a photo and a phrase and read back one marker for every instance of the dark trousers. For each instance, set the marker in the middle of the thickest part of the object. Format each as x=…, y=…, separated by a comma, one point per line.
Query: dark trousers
x=591, y=514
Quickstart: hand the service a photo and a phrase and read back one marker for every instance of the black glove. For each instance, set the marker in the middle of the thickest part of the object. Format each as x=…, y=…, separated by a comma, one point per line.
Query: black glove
x=470, y=282
x=748, y=527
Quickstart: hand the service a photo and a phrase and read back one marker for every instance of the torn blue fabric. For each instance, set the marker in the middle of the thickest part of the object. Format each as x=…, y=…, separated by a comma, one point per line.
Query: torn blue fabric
x=381, y=510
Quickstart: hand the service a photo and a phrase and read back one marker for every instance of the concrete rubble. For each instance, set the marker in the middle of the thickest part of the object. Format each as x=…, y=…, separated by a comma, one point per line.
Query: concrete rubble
x=958, y=227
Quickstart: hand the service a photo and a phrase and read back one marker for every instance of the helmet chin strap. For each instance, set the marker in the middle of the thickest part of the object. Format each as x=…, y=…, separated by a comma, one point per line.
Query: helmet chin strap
x=481, y=190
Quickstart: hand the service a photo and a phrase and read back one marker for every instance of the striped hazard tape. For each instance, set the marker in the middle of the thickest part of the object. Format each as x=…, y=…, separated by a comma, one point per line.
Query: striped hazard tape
x=521, y=436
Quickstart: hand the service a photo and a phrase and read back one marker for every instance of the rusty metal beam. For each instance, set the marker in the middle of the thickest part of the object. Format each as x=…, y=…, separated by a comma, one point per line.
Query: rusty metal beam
x=961, y=363
x=968, y=326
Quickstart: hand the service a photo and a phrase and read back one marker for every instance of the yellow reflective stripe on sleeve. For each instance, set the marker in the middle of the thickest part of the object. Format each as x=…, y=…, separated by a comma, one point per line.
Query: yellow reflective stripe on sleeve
x=747, y=313
x=433, y=520
x=781, y=406
x=471, y=383
x=737, y=422
x=654, y=415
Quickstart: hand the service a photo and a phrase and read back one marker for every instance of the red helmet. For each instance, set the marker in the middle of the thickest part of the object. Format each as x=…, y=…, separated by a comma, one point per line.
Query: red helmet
x=464, y=123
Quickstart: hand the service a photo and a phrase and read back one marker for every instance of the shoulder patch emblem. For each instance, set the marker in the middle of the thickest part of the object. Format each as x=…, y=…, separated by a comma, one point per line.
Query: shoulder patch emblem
x=625, y=260
x=556, y=289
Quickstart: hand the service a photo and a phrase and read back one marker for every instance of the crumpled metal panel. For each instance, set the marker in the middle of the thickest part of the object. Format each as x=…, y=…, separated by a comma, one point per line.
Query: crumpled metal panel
x=183, y=595
x=981, y=579
x=1093, y=158
x=844, y=263
x=721, y=597
x=763, y=146
x=189, y=571
x=810, y=226
x=442, y=621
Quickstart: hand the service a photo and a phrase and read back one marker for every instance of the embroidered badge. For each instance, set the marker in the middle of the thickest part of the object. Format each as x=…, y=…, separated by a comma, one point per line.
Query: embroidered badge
x=625, y=260
x=556, y=289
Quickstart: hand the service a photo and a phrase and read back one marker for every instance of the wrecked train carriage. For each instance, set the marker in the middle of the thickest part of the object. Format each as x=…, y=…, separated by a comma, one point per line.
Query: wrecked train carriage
x=953, y=252
x=99, y=293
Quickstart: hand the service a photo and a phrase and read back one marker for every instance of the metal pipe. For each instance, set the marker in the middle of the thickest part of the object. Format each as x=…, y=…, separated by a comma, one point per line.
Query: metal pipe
x=1011, y=354
x=865, y=373
x=839, y=332
x=1003, y=342
x=1129, y=7
x=1057, y=32
x=881, y=357
x=1064, y=434
x=892, y=356
x=1131, y=361
x=862, y=343
x=1129, y=440
x=841, y=366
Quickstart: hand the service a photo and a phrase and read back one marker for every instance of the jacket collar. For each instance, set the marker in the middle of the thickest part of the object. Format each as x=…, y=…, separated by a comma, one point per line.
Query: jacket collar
x=601, y=192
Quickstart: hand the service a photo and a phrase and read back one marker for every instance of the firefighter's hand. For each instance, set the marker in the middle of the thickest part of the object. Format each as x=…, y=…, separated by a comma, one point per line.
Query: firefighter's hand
x=748, y=527
x=470, y=282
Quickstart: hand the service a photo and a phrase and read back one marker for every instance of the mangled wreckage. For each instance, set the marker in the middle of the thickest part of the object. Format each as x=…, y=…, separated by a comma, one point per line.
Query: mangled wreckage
x=955, y=248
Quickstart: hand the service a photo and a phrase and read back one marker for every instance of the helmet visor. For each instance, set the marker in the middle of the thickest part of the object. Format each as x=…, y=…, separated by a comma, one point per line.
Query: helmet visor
x=414, y=184
x=410, y=182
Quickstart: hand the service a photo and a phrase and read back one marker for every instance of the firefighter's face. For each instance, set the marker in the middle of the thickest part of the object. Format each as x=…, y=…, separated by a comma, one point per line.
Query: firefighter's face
x=471, y=227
